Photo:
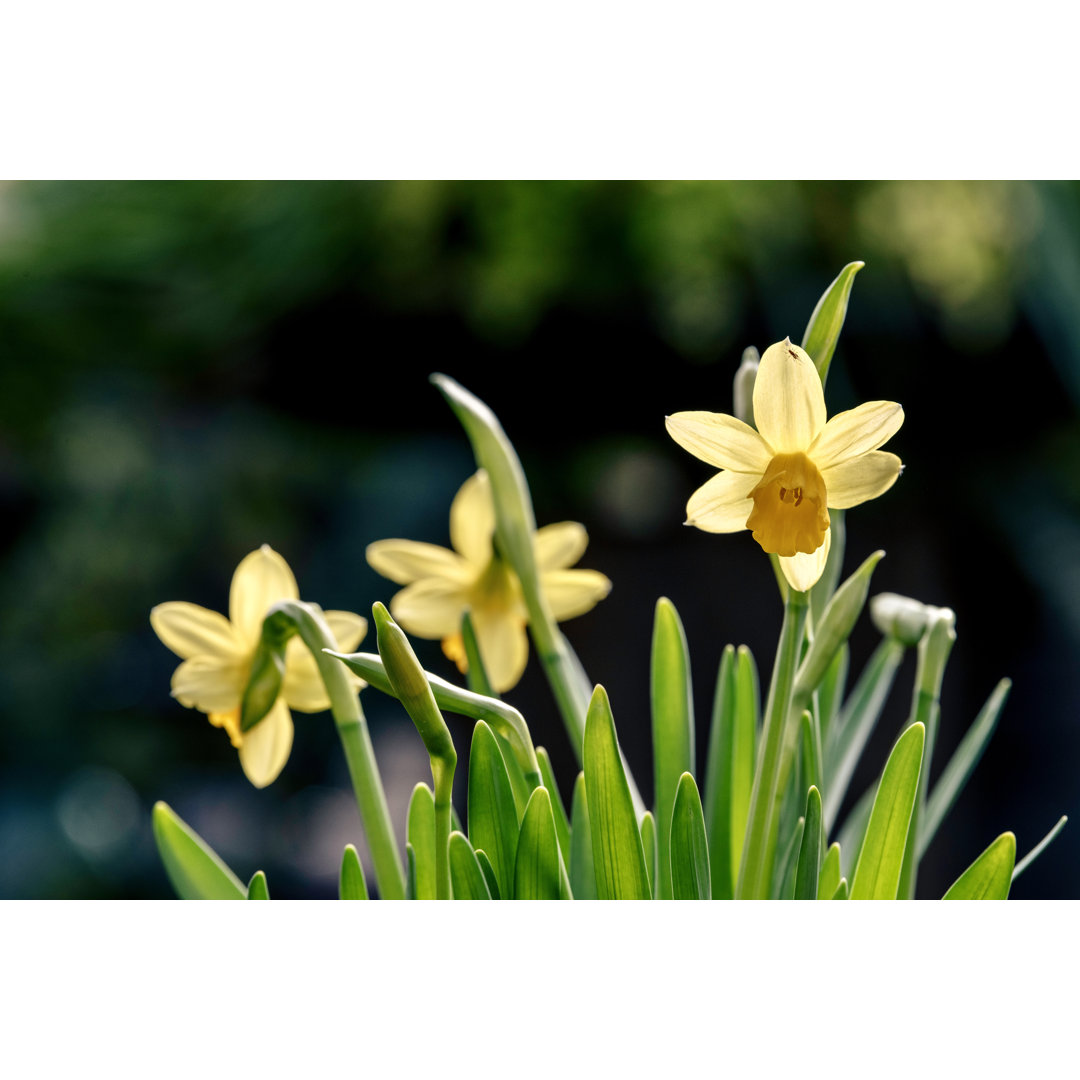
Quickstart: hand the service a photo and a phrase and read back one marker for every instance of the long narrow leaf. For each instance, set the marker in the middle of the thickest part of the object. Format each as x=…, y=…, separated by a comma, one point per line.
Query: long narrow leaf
x=853, y=831
x=966, y=756
x=690, y=877
x=421, y=833
x=877, y=876
x=582, y=871
x=562, y=824
x=829, y=878
x=648, y=845
x=989, y=877
x=257, y=888
x=351, y=882
x=617, y=851
x=806, y=873
x=723, y=867
x=784, y=870
x=195, y=870
x=466, y=877
x=856, y=722
x=1039, y=848
x=672, y=726
x=489, y=874
x=493, y=821
x=827, y=320
x=536, y=867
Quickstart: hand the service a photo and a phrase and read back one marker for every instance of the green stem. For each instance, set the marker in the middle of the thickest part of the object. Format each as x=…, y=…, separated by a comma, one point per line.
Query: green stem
x=754, y=873
x=356, y=742
x=442, y=773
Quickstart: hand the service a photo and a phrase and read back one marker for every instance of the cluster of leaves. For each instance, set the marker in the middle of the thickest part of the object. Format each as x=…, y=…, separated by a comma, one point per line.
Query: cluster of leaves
x=776, y=773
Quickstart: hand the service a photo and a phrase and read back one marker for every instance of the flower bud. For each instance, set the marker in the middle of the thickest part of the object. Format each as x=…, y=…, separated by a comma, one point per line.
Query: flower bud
x=744, y=385
x=900, y=617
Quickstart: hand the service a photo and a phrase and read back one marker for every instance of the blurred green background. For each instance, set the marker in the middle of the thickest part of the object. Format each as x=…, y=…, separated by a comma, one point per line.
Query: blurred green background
x=190, y=370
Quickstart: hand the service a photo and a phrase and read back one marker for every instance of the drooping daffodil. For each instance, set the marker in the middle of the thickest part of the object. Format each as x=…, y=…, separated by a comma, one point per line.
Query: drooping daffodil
x=780, y=480
x=217, y=654
x=441, y=585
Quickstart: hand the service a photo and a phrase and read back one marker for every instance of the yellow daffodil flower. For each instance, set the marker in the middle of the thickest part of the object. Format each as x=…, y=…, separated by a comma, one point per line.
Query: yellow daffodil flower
x=217, y=654
x=780, y=480
x=443, y=584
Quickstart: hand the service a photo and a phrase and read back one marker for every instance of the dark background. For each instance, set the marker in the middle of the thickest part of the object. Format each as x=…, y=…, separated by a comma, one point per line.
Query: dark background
x=190, y=370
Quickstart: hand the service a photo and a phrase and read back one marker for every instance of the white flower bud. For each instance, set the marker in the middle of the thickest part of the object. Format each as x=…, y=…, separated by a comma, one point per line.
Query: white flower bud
x=900, y=617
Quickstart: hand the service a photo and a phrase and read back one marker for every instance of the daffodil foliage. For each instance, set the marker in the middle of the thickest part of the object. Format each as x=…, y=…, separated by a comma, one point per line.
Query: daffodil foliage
x=770, y=816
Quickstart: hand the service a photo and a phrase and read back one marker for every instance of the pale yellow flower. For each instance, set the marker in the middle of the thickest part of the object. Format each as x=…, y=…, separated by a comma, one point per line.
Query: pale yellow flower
x=443, y=584
x=217, y=654
x=780, y=480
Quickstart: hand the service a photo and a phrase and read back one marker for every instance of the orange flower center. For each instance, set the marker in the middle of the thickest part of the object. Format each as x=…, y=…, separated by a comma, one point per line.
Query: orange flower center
x=790, y=514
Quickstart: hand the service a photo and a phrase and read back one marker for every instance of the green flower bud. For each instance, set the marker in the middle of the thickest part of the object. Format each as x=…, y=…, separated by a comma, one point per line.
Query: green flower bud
x=744, y=385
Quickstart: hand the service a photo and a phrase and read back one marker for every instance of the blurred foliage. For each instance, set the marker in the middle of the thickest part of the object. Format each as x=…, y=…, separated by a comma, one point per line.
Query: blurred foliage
x=189, y=370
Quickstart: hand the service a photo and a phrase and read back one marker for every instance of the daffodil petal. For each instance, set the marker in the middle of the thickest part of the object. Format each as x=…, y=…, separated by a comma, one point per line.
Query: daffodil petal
x=265, y=748
x=209, y=683
x=803, y=571
x=190, y=630
x=472, y=519
x=347, y=627
x=857, y=431
x=406, y=561
x=302, y=687
x=573, y=592
x=504, y=647
x=722, y=504
x=261, y=580
x=862, y=478
x=721, y=440
x=430, y=608
x=560, y=545
x=789, y=404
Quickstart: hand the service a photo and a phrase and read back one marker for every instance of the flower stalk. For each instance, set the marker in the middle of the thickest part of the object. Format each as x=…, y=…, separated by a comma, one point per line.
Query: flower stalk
x=755, y=871
x=355, y=739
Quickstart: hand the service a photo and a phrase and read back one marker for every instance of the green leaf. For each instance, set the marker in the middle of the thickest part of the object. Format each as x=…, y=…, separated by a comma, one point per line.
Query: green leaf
x=493, y=820
x=853, y=831
x=536, y=868
x=257, y=888
x=990, y=875
x=1039, y=848
x=966, y=756
x=194, y=869
x=811, y=750
x=582, y=871
x=849, y=735
x=729, y=775
x=616, y=842
x=690, y=875
x=647, y=828
x=351, y=883
x=806, y=874
x=672, y=725
x=833, y=630
x=562, y=825
x=410, y=872
x=877, y=876
x=489, y=874
x=827, y=320
x=829, y=878
x=841, y=890
x=475, y=674
x=466, y=877
x=784, y=871
x=831, y=692
x=421, y=833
